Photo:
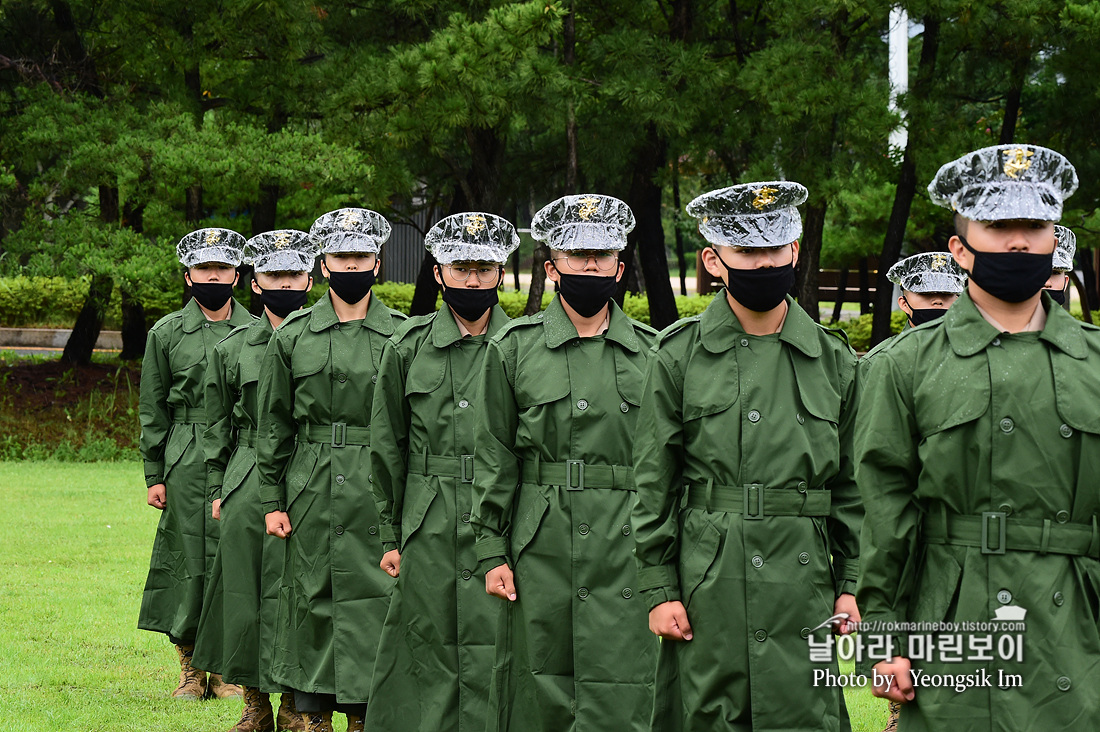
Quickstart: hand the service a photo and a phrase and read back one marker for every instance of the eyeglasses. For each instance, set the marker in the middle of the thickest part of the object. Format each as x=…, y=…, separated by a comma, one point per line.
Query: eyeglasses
x=487, y=275
x=578, y=261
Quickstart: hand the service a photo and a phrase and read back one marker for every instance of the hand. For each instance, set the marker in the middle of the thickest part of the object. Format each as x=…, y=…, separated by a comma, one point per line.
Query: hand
x=846, y=603
x=500, y=582
x=670, y=621
x=158, y=496
x=898, y=684
x=278, y=524
x=216, y=509
x=391, y=563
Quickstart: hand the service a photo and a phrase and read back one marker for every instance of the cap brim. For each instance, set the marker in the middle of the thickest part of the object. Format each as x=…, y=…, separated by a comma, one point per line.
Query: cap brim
x=1008, y=200
x=773, y=229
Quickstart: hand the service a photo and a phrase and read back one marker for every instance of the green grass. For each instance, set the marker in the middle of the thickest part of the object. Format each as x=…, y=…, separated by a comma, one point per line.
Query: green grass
x=73, y=558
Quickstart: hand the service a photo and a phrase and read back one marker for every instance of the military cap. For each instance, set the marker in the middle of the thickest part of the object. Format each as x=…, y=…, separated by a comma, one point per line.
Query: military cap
x=750, y=214
x=285, y=250
x=351, y=230
x=928, y=272
x=210, y=245
x=585, y=221
x=472, y=237
x=1005, y=182
x=1064, y=251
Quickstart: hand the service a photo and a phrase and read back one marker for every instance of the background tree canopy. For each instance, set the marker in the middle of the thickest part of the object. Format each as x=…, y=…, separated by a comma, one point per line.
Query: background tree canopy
x=127, y=124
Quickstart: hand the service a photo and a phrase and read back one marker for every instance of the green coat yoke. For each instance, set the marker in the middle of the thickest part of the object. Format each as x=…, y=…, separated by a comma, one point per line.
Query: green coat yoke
x=436, y=654
x=316, y=387
x=172, y=423
x=748, y=513
x=966, y=429
x=553, y=494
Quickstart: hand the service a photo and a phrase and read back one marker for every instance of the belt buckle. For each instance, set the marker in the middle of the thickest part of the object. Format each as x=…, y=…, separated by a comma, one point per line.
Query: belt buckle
x=339, y=434
x=570, y=465
x=466, y=463
x=753, y=508
x=988, y=516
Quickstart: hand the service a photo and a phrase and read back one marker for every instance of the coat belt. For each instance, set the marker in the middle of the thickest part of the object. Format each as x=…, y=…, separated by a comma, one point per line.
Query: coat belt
x=461, y=467
x=189, y=415
x=337, y=434
x=994, y=532
x=575, y=475
x=755, y=500
x=246, y=438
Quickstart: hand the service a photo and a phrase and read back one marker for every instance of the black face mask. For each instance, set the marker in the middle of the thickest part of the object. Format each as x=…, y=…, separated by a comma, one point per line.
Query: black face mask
x=1010, y=276
x=924, y=315
x=1059, y=296
x=283, y=302
x=469, y=304
x=760, y=289
x=212, y=295
x=351, y=287
x=587, y=294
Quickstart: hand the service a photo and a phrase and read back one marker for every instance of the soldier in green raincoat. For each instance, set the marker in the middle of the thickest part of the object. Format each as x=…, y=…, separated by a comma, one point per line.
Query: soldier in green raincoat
x=554, y=489
x=979, y=451
x=237, y=623
x=436, y=653
x=1058, y=284
x=316, y=386
x=748, y=515
x=172, y=424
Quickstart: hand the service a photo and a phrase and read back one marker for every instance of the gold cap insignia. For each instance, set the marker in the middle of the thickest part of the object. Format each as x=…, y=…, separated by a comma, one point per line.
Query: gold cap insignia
x=939, y=261
x=590, y=207
x=763, y=197
x=474, y=224
x=212, y=237
x=282, y=240
x=348, y=219
x=1017, y=161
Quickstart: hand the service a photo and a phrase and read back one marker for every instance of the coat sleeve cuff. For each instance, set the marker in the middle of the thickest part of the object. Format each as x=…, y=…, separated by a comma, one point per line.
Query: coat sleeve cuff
x=490, y=563
x=273, y=494
x=652, y=578
x=660, y=595
x=214, y=493
x=389, y=535
x=846, y=572
x=271, y=506
x=492, y=546
x=388, y=546
x=154, y=473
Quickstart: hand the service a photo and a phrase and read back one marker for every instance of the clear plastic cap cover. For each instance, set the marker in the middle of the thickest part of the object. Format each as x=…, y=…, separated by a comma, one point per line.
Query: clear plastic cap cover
x=928, y=272
x=1066, y=248
x=285, y=250
x=210, y=245
x=751, y=214
x=584, y=221
x=351, y=230
x=1005, y=182
x=472, y=237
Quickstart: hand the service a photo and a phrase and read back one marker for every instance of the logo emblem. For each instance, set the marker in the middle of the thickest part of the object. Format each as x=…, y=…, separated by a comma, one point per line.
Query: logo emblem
x=1017, y=161
x=474, y=224
x=281, y=240
x=213, y=236
x=939, y=261
x=348, y=219
x=590, y=207
x=763, y=197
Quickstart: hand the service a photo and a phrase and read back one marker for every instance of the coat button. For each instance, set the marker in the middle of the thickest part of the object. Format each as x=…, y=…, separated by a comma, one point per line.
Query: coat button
x=1062, y=516
x=624, y=407
x=466, y=518
x=758, y=561
x=1059, y=599
x=582, y=592
x=1065, y=430
x=339, y=480
x=339, y=530
x=800, y=418
x=463, y=403
x=206, y=325
x=805, y=632
x=370, y=477
x=1064, y=683
x=576, y=343
x=760, y=636
x=372, y=530
x=1007, y=424
x=804, y=558
x=467, y=574
x=628, y=593
x=802, y=486
x=583, y=529
x=374, y=379
x=996, y=341
x=754, y=416
x=336, y=326
x=342, y=378
x=626, y=529
x=1005, y=509
x=744, y=342
x=1004, y=597
x=582, y=404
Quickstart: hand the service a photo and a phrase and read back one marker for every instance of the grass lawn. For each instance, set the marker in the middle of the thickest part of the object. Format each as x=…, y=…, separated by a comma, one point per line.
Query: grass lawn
x=73, y=559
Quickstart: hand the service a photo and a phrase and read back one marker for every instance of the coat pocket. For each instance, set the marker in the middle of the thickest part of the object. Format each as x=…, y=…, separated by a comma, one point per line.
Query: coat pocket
x=301, y=469
x=938, y=588
x=419, y=494
x=237, y=472
x=698, y=555
x=308, y=361
x=179, y=439
x=531, y=507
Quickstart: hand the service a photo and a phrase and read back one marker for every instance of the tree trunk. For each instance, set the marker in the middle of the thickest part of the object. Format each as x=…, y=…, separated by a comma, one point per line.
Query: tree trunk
x=809, y=257
x=108, y=204
x=1012, y=99
x=538, y=279
x=648, y=236
x=1088, y=275
x=78, y=349
x=864, y=287
x=133, y=327
x=427, y=289
x=1080, y=287
x=841, y=288
x=681, y=259
x=193, y=207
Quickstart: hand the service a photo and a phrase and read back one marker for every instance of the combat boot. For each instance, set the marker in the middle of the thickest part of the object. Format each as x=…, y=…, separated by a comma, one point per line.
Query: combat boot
x=355, y=723
x=892, y=722
x=192, y=681
x=290, y=719
x=221, y=690
x=318, y=721
x=256, y=716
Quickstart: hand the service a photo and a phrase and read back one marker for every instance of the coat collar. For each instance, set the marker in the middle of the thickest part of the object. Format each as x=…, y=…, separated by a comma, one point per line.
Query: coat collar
x=720, y=330
x=260, y=331
x=322, y=316
x=445, y=330
x=193, y=317
x=559, y=328
x=969, y=333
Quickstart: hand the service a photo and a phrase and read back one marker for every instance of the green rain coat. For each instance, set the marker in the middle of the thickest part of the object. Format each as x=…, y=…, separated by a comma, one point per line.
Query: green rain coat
x=316, y=387
x=966, y=429
x=436, y=653
x=553, y=494
x=238, y=614
x=748, y=513
x=172, y=423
